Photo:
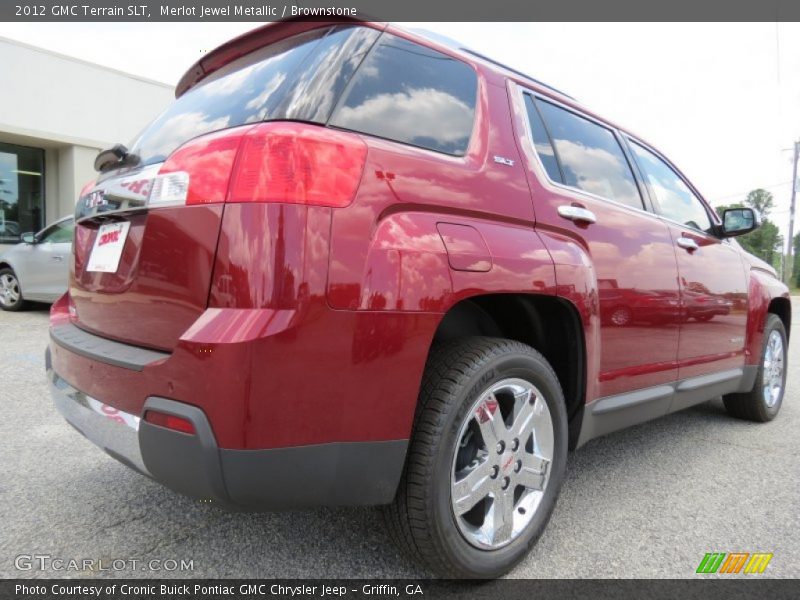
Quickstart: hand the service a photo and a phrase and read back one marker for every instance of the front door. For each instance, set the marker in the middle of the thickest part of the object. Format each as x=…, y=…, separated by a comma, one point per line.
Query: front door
x=712, y=276
x=47, y=263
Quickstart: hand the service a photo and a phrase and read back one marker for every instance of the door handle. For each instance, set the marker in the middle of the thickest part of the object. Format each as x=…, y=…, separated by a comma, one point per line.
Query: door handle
x=687, y=243
x=57, y=258
x=577, y=214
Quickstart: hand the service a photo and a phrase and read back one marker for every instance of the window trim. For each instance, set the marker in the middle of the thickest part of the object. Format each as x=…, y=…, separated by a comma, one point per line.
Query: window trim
x=549, y=139
x=646, y=207
x=476, y=113
x=711, y=214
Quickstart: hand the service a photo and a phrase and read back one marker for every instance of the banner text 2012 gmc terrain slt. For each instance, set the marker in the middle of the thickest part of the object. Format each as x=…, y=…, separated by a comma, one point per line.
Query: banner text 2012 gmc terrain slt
x=352, y=265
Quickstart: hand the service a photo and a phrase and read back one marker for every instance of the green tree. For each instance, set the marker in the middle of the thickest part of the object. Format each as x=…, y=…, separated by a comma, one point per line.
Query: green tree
x=796, y=264
x=765, y=242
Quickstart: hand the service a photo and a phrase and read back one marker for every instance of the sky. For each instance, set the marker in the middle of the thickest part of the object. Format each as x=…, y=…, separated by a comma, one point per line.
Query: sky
x=721, y=100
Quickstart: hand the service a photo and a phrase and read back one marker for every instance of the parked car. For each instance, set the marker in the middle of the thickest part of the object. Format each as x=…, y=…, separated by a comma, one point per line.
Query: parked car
x=351, y=265
x=37, y=269
x=624, y=306
x=9, y=232
x=704, y=307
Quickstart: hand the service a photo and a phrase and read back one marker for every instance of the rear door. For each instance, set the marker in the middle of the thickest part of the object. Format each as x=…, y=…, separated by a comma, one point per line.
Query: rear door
x=587, y=196
x=712, y=276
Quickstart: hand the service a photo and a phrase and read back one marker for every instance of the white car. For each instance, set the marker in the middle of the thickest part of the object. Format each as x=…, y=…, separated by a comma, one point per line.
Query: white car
x=37, y=269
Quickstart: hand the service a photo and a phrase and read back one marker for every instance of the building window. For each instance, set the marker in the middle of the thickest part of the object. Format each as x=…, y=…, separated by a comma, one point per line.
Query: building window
x=21, y=191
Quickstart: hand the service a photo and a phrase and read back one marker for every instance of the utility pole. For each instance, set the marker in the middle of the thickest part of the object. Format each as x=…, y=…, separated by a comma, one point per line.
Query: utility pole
x=787, y=272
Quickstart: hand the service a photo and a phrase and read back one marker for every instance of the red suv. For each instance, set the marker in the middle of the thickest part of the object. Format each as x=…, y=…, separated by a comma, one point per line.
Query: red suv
x=352, y=265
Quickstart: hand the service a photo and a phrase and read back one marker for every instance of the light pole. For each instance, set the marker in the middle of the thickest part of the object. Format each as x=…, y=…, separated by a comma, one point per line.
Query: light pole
x=787, y=266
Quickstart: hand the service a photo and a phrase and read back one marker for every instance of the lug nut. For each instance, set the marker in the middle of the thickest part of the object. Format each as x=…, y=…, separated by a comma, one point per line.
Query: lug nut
x=515, y=444
x=495, y=472
x=500, y=447
x=505, y=483
x=518, y=466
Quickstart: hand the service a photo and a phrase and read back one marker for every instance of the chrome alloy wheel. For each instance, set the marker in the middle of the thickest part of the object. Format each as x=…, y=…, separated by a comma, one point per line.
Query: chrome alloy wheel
x=773, y=368
x=501, y=464
x=9, y=290
x=621, y=316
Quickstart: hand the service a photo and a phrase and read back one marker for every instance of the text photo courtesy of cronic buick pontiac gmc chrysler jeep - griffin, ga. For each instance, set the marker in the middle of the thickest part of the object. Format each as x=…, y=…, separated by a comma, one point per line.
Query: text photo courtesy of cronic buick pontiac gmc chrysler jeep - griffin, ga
x=353, y=265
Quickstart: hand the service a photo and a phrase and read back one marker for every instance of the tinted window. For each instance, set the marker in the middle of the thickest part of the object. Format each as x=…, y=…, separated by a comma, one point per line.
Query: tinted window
x=323, y=79
x=408, y=93
x=59, y=233
x=300, y=78
x=675, y=200
x=590, y=156
x=541, y=141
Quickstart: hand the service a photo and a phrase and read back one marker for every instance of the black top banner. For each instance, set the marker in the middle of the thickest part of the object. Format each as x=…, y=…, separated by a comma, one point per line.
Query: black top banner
x=402, y=10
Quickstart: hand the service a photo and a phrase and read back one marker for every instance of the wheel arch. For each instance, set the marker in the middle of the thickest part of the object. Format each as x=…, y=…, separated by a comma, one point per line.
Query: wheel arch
x=782, y=307
x=547, y=323
x=766, y=295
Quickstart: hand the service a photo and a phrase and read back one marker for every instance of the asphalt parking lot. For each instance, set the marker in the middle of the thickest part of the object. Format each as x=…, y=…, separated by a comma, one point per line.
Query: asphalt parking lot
x=646, y=502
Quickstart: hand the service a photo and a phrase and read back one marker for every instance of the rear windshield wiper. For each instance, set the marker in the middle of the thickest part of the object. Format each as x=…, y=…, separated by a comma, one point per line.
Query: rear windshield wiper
x=116, y=156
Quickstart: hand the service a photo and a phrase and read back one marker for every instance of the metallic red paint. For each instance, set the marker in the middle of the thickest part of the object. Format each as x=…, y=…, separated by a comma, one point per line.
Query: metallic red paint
x=319, y=320
x=161, y=286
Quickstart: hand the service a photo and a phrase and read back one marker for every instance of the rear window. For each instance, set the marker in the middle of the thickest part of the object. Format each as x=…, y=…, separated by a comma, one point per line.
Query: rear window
x=297, y=78
x=411, y=94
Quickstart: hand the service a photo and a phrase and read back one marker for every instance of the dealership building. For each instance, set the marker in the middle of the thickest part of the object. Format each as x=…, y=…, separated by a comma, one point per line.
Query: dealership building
x=56, y=112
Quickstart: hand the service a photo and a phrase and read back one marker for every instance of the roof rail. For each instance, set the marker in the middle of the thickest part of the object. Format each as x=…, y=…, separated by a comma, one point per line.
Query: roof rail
x=520, y=73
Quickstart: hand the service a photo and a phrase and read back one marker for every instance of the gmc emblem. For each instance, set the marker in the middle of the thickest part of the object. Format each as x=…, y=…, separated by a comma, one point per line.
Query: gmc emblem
x=95, y=199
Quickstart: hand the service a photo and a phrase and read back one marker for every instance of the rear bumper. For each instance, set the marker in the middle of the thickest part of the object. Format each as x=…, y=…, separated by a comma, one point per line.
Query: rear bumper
x=332, y=474
x=114, y=431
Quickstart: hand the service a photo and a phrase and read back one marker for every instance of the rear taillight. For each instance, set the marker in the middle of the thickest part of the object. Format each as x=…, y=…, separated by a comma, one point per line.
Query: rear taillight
x=198, y=172
x=299, y=164
x=272, y=162
x=169, y=421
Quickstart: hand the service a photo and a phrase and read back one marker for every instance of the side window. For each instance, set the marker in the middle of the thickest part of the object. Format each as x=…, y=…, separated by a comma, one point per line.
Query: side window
x=408, y=93
x=542, y=142
x=60, y=233
x=675, y=200
x=590, y=156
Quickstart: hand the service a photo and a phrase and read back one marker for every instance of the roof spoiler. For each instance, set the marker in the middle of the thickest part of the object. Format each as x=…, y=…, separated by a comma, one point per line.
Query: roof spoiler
x=250, y=41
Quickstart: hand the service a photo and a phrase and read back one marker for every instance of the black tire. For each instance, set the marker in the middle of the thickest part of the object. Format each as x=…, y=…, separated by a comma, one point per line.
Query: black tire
x=753, y=405
x=420, y=520
x=6, y=303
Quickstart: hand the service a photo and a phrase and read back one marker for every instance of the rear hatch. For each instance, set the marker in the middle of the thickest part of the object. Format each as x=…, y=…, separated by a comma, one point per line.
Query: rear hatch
x=144, y=253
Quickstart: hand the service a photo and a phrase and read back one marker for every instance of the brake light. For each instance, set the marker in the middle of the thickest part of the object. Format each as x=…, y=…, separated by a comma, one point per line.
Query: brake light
x=169, y=421
x=198, y=172
x=299, y=164
x=271, y=162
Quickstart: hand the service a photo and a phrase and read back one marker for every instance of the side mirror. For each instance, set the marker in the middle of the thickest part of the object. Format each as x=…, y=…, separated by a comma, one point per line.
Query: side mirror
x=28, y=238
x=738, y=221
